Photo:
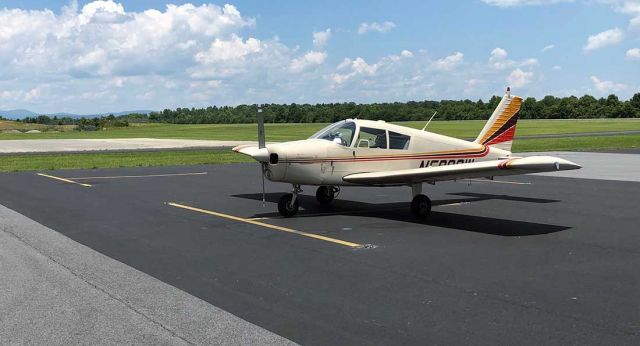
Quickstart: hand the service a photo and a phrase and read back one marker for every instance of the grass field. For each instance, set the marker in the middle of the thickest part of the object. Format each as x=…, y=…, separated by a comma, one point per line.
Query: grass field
x=13, y=163
x=282, y=132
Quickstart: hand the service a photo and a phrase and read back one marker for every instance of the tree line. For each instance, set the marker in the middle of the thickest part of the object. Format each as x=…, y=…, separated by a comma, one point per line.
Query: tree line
x=549, y=107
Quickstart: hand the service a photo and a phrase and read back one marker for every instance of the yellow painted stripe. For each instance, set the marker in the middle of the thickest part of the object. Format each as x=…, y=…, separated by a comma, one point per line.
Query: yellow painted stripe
x=62, y=179
x=266, y=225
x=139, y=176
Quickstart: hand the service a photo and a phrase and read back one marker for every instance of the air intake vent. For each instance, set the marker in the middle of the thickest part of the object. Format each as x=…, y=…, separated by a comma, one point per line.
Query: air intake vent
x=273, y=159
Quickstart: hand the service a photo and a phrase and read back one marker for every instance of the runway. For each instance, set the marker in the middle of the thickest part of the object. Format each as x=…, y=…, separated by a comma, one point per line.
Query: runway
x=526, y=260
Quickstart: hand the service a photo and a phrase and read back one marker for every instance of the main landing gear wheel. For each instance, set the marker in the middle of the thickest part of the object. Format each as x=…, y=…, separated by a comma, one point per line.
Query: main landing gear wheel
x=326, y=194
x=287, y=206
x=421, y=206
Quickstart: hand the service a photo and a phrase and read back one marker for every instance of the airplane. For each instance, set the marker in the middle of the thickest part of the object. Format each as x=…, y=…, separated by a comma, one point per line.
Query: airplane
x=355, y=152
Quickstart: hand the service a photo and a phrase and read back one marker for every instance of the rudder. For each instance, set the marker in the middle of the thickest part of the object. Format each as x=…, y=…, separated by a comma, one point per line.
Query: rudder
x=500, y=129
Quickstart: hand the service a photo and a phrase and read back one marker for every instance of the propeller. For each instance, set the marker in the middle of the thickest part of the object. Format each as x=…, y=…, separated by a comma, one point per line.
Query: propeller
x=261, y=145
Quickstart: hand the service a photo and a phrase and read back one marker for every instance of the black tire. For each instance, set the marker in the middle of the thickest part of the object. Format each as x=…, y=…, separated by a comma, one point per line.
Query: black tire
x=325, y=195
x=285, y=207
x=421, y=206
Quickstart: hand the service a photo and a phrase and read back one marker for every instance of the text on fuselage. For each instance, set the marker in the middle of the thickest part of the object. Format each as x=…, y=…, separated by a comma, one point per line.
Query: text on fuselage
x=431, y=163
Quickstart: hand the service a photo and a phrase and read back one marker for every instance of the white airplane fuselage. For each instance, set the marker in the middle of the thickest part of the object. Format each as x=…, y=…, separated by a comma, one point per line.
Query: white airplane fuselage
x=318, y=161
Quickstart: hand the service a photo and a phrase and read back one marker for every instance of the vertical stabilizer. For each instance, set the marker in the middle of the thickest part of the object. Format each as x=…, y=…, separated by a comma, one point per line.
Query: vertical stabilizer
x=499, y=131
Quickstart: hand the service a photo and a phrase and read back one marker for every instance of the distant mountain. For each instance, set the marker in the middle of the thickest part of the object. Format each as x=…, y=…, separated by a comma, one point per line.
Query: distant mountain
x=23, y=113
x=17, y=114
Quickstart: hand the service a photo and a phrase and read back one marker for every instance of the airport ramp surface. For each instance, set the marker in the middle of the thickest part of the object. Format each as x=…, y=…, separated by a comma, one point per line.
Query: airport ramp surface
x=604, y=166
x=55, y=291
x=24, y=146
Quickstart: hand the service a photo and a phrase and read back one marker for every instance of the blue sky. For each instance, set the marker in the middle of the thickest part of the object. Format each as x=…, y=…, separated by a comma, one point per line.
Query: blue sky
x=98, y=56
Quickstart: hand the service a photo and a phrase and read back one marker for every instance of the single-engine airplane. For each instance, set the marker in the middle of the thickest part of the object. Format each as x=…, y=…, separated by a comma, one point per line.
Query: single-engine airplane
x=357, y=152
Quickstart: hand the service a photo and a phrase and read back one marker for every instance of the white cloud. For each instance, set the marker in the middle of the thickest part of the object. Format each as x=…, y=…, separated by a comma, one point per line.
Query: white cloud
x=529, y=62
x=604, y=86
x=633, y=54
x=548, y=47
x=374, y=26
x=355, y=68
x=308, y=60
x=498, y=59
x=448, y=63
x=632, y=8
x=320, y=38
x=556, y=67
x=516, y=3
x=232, y=49
x=518, y=78
x=603, y=39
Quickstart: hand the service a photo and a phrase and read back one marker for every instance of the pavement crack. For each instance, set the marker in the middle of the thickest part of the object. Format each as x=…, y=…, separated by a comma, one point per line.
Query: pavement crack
x=100, y=289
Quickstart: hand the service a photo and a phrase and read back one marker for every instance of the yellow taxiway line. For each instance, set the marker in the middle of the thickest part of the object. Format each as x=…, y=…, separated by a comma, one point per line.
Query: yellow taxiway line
x=62, y=179
x=139, y=176
x=266, y=225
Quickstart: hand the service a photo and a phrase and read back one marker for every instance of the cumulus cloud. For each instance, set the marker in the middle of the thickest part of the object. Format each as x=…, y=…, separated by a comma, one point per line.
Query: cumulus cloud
x=308, y=60
x=498, y=59
x=394, y=66
x=448, y=63
x=604, y=86
x=320, y=38
x=103, y=49
x=516, y=3
x=633, y=54
x=518, y=78
x=603, y=39
x=374, y=26
x=356, y=67
x=632, y=8
x=548, y=47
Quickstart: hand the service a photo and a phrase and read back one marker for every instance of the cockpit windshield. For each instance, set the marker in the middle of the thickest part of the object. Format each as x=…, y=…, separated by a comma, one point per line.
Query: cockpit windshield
x=340, y=132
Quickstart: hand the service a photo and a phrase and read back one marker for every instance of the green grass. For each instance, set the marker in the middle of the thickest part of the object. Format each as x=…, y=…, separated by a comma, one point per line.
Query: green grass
x=285, y=132
x=13, y=163
x=578, y=143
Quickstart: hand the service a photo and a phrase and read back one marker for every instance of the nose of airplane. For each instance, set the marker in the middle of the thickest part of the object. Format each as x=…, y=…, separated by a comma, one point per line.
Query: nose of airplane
x=258, y=154
x=261, y=155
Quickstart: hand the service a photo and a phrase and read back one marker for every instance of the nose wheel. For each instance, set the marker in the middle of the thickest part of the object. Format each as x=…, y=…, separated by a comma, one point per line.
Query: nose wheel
x=326, y=194
x=421, y=206
x=288, y=204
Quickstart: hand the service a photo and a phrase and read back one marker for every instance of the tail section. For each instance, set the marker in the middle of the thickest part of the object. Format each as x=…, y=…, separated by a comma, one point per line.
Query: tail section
x=501, y=127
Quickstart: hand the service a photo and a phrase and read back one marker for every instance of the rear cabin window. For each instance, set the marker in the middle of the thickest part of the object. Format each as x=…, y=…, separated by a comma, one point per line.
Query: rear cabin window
x=372, y=138
x=398, y=141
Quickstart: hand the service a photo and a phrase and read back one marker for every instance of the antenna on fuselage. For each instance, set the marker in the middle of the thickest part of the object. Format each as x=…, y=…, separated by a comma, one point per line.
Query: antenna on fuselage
x=427, y=124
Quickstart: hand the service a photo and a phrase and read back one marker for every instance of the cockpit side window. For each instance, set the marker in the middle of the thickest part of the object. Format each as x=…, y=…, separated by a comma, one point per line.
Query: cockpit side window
x=341, y=133
x=398, y=141
x=372, y=138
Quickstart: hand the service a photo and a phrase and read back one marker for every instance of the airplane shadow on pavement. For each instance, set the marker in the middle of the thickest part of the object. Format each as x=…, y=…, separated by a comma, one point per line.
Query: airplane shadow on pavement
x=399, y=211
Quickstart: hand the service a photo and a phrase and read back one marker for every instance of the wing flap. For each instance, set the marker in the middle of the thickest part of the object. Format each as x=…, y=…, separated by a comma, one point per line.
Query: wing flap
x=514, y=166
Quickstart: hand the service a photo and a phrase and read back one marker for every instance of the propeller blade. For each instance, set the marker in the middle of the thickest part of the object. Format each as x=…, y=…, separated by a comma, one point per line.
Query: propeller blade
x=261, y=136
x=264, y=168
x=262, y=154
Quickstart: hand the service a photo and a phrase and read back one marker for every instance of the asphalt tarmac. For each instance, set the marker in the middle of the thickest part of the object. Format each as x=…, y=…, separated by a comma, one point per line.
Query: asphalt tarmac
x=525, y=260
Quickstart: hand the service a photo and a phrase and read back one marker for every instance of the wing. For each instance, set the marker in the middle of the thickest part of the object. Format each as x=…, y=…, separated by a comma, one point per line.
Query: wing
x=514, y=166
